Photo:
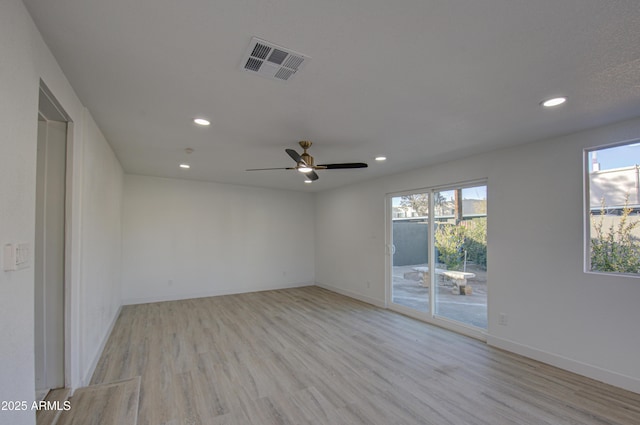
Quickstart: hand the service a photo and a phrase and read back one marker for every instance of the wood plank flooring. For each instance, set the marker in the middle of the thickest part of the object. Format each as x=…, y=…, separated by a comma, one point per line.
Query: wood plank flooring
x=310, y=356
x=50, y=416
x=106, y=404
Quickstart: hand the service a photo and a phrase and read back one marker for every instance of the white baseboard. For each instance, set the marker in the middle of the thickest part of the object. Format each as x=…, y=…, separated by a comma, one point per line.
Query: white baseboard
x=584, y=369
x=363, y=298
x=86, y=380
x=212, y=293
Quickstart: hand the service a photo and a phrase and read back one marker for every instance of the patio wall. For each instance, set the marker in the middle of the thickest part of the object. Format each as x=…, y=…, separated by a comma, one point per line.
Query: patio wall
x=410, y=241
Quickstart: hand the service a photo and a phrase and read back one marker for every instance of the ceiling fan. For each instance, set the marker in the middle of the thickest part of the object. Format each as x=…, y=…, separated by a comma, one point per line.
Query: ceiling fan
x=306, y=165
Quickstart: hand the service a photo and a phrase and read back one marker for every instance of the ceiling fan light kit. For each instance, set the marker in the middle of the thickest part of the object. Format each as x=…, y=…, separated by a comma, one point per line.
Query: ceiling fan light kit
x=306, y=164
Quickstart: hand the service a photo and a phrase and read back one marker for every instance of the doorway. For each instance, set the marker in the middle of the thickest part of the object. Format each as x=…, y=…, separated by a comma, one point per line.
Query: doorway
x=438, y=260
x=49, y=249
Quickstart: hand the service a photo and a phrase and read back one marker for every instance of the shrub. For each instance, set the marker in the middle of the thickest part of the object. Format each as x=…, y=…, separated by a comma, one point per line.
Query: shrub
x=452, y=241
x=476, y=241
x=449, y=242
x=615, y=249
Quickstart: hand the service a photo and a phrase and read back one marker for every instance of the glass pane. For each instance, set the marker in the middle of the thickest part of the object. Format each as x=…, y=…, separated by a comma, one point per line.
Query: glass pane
x=614, y=213
x=460, y=239
x=410, y=228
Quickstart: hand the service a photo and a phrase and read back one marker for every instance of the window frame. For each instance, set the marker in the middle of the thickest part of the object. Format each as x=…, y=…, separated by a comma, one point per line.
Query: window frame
x=586, y=213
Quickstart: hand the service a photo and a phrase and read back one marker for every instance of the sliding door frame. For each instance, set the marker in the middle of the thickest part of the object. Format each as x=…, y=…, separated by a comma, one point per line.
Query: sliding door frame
x=430, y=316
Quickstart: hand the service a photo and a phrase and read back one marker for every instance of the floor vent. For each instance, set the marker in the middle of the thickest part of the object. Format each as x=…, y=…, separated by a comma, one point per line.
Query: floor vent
x=272, y=61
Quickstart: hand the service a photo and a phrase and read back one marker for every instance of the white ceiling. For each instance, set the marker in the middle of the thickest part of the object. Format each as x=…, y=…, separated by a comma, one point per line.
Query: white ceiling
x=420, y=81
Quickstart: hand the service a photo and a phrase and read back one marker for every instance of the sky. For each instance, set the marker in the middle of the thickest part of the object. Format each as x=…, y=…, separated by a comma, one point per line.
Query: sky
x=618, y=157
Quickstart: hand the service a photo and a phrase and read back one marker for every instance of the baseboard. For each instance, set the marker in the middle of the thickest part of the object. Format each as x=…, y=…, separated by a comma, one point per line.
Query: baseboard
x=92, y=367
x=584, y=369
x=212, y=293
x=350, y=294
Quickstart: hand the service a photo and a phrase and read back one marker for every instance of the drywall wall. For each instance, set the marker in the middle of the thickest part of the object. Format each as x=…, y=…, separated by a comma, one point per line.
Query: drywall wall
x=18, y=108
x=557, y=313
x=25, y=61
x=185, y=239
x=101, y=272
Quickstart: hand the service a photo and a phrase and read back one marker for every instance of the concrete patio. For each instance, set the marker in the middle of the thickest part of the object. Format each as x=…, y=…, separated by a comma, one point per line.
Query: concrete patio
x=471, y=309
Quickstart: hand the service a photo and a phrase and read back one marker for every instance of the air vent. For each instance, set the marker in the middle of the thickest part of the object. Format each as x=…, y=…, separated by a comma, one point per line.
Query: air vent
x=253, y=64
x=284, y=73
x=272, y=61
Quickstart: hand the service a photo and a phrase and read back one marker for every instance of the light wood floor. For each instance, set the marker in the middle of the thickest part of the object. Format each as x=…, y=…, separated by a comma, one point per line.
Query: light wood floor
x=107, y=404
x=310, y=356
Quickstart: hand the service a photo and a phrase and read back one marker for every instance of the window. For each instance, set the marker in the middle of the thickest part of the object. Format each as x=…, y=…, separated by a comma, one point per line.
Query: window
x=613, y=212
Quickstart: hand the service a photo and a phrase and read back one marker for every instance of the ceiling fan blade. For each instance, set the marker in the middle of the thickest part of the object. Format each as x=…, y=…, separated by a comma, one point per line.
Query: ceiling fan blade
x=263, y=169
x=344, y=165
x=294, y=155
x=311, y=175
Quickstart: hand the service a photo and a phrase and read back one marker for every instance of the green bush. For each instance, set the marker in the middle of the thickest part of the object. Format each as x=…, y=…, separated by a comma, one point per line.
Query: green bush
x=452, y=241
x=476, y=241
x=615, y=249
x=449, y=242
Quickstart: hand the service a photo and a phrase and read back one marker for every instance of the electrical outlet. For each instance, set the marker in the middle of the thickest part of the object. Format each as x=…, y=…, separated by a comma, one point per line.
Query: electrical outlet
x=503, y=320
x=368, y=284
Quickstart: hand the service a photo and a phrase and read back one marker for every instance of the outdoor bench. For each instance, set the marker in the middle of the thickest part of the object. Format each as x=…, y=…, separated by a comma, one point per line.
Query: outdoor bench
x=459, y=279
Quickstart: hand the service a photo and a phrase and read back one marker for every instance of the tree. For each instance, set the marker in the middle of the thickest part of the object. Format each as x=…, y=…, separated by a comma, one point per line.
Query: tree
x=419, y=202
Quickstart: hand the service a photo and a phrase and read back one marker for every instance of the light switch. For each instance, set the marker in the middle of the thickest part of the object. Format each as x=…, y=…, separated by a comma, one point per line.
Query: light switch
x=16, y=256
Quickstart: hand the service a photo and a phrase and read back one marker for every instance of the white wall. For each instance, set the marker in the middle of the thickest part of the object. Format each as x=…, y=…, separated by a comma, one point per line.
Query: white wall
x=101, y=244
x=184, y=239
x=25, y=60
x=557, y=313
x=18, y=108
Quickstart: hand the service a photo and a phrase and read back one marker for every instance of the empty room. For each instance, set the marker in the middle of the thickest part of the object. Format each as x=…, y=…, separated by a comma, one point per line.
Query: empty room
x=297, y=212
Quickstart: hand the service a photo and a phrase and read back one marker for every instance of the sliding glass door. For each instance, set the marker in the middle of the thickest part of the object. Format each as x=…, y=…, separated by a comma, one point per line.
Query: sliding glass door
x=460, y=244
x=439, y=254
x=409, y=251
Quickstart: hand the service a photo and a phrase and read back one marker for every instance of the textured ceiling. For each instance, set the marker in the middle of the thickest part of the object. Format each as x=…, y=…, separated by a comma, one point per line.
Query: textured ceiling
x=420, y=81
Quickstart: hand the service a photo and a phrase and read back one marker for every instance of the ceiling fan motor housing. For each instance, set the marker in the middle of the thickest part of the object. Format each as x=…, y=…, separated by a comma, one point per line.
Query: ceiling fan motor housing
x=308, y=159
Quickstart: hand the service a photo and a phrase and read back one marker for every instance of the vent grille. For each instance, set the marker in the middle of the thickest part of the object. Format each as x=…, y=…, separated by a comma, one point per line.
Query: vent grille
x=253, y=64
x=260, y=51
x=293, y=62
x=277, y=56
x=284, y=73
x=272, y=61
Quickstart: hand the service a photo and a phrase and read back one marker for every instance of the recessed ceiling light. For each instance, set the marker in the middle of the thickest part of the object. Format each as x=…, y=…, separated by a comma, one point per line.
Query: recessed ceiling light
x=201, y=121
x=381, y=158
x=185, y=166
x=308, y=181
x=554, y=102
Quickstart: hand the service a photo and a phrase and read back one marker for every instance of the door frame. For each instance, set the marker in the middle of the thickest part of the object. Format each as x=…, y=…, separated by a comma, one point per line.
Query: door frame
x=70, y=169
x=429, y=316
